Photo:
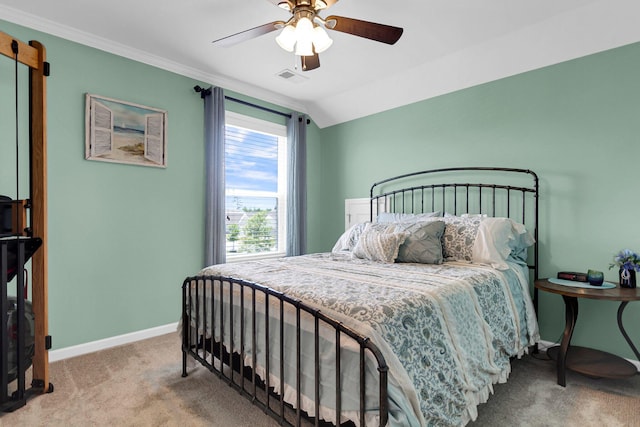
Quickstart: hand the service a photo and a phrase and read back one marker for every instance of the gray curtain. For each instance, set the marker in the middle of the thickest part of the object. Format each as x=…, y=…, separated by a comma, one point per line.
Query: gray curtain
x=297, y=185
x=215, y=227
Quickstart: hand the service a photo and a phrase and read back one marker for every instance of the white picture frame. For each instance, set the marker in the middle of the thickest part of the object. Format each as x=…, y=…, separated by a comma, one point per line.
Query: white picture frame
x=124, y=132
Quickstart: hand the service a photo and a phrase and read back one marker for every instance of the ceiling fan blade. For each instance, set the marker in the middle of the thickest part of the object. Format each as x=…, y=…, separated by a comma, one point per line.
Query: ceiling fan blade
x=369, y=30
x=248, y=34
x=310, y=62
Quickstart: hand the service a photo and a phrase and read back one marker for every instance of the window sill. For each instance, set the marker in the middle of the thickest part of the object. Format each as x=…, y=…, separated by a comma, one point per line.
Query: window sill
x=253, y=257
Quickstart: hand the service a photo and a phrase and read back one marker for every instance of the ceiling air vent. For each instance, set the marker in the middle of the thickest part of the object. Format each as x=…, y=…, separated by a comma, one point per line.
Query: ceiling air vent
x=291, y=76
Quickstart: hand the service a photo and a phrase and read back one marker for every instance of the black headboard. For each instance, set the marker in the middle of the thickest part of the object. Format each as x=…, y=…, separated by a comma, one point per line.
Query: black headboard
x=497, y=192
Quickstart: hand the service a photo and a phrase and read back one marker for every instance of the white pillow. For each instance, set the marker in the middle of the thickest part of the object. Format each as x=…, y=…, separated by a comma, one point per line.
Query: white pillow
x=347, y=241
x=498, y=239
x=519, y=245
x=485, y=240
x=492, y=242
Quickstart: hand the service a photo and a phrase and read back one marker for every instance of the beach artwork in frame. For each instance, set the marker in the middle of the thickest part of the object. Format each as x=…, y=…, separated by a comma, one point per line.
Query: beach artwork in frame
x=122, y=132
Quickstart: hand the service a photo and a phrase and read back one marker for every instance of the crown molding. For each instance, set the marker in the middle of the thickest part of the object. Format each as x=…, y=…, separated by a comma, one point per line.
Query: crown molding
x=68, y=33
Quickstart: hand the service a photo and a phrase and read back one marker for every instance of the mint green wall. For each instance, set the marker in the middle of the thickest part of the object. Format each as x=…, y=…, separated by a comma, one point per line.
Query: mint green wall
x=122, y=238
x=318, y=172
x=576, y=124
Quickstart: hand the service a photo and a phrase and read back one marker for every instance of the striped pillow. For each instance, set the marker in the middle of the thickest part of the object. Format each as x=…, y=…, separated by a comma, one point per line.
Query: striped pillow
x=379, y=245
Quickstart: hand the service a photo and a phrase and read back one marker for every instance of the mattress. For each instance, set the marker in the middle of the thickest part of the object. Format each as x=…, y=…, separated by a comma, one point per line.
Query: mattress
x=447, y=332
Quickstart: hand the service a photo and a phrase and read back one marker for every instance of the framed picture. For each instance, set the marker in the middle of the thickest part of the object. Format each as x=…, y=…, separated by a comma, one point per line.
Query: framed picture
x=122, y=132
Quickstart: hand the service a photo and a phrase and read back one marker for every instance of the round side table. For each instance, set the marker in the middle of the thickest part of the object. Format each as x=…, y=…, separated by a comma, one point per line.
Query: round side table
x=590, y=362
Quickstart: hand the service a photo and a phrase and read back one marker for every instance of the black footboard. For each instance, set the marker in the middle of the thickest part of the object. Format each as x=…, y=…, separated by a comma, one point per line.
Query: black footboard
x=228, y=324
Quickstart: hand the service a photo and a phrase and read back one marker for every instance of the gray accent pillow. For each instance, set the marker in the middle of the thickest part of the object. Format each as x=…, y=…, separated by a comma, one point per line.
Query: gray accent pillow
x=423, y=244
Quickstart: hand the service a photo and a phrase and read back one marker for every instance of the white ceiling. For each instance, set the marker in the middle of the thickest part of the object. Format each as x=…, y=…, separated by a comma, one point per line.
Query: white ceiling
x=447, y=45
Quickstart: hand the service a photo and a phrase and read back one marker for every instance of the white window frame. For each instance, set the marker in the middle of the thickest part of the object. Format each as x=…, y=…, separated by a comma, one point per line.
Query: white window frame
x=279, y=130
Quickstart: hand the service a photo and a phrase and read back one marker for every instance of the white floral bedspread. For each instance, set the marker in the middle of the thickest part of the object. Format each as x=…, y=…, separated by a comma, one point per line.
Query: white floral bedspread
x=446, y=331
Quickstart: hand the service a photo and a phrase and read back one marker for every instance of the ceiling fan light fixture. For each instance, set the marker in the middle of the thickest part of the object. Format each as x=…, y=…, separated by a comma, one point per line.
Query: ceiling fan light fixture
x=320, y=4
x=287, y=38
x=321, y=40
x=304, y=48
x=304, y=37
x=304, y=29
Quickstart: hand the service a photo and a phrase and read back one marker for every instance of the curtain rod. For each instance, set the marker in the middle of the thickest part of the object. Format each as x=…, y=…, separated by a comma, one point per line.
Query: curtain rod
x=259, y=107
x=204, y=92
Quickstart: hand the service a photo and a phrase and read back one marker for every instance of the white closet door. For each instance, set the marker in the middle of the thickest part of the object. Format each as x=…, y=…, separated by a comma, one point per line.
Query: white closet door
x=355, y=211
x=153, y=138
x=101, y=129
x=358, y=210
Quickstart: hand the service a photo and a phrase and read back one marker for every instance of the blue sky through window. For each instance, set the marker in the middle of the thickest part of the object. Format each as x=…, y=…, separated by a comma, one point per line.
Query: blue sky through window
x=251, y=165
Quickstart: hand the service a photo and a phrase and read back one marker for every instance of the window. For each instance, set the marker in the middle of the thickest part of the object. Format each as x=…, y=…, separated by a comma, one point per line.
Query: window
x=256, y=183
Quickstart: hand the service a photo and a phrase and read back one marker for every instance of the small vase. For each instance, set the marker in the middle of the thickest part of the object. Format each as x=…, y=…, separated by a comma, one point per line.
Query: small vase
x=595, y=277
x=627, y=278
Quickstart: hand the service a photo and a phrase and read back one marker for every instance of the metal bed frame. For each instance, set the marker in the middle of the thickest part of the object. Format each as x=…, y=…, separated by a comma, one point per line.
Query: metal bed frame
x=247, y=383
x=495, y=199
x=471, y=197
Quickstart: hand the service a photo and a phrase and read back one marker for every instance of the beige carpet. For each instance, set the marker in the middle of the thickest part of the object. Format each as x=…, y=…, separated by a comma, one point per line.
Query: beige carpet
x=141, y=385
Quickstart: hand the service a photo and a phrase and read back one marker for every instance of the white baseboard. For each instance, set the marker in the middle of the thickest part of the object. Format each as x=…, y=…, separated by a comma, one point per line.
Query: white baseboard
x=90, y=347
x=545, y=344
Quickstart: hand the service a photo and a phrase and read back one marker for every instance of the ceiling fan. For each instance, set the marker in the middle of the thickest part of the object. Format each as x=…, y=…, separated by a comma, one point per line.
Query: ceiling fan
x=305, y=32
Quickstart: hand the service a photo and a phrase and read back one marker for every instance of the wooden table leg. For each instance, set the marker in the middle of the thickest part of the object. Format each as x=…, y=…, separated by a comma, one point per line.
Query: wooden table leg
x=623, y=304
x=571, y=315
